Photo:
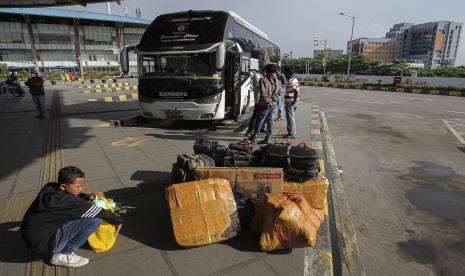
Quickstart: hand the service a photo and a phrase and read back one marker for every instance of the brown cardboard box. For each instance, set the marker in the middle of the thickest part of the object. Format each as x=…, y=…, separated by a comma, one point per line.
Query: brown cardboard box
x=202, y=212
x=314, y=190
x=289, y=222
x=253, y=182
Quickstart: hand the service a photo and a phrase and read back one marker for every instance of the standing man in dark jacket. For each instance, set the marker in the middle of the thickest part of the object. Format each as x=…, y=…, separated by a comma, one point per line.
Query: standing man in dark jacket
x=271, y=91
x=61, y=218
x=36, y=88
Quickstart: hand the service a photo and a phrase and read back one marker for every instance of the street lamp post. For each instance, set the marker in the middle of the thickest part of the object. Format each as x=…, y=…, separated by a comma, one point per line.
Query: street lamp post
x=351, y=38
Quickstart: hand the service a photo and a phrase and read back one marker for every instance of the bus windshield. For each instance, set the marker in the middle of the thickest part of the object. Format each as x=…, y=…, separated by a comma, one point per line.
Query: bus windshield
x=200, y=65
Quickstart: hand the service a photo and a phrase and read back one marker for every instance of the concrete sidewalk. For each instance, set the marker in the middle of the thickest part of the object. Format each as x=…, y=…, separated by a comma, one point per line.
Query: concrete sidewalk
x=133, y=166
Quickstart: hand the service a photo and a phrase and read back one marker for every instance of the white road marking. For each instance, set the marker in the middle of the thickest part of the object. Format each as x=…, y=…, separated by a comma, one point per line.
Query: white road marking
x=413, y=98
x=452, y=111
x=457, y=135
x=357, y=101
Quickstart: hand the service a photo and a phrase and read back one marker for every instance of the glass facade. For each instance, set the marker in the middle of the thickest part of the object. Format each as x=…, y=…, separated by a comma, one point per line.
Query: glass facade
x=55, y=41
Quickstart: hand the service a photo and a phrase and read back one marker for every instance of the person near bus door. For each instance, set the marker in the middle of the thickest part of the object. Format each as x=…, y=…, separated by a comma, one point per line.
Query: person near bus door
x=271, y=90
x=280, y=105
x=291, y=97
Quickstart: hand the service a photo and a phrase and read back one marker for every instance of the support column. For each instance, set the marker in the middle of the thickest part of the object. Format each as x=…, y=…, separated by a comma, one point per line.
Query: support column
x=119, y=39
x=33, y=44
x=77, y=47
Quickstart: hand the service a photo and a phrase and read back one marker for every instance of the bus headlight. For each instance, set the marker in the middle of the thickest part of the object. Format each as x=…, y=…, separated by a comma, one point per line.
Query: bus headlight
x=210, y=99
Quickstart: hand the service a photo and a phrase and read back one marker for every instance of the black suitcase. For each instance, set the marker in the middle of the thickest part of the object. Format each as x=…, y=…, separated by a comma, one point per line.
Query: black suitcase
x=304, y=163
x=184, y=168
x=276, y=156
x=204, y=146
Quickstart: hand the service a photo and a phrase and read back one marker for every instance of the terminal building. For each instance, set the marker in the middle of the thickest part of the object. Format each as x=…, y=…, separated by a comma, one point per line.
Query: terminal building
x=59, y=39
x=432, y=44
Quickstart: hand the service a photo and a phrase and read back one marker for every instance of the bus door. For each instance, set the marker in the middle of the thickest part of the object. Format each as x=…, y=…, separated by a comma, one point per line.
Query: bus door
x=232, y=75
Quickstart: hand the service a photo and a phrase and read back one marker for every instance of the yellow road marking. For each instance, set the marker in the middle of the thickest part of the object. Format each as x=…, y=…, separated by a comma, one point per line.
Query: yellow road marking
x=108, y=99
x=87, y=91
x=315, y=122
x=315, y=131
x=317, y=145
x=98, y=90
x=118, y=89
x=135, y=96
x=134, y=87
x=129, y=142
x=123, y=98
x=329, y=257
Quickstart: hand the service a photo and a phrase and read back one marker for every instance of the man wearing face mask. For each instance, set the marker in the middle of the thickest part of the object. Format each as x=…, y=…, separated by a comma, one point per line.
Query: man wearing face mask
x=271, y=90
x=36, y=88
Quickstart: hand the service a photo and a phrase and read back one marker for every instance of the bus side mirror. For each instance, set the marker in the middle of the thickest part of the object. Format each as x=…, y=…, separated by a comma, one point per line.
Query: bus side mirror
x=220, y=56
x=124, y=59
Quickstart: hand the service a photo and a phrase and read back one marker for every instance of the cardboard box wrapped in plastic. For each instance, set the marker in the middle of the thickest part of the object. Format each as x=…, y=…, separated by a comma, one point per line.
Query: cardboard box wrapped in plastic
x=252, y=183
x=202, y=212
x=314, y=190
x=289, y=222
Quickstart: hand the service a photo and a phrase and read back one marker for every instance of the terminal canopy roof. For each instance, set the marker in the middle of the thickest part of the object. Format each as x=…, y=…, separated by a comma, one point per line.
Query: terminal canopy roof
x=45, y=3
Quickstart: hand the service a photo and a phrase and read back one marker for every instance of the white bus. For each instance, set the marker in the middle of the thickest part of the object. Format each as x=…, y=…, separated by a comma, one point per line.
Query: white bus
x=200, y=65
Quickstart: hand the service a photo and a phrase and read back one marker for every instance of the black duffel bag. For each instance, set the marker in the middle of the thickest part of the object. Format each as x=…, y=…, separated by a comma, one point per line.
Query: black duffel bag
x=204, y=146
x=184, y=168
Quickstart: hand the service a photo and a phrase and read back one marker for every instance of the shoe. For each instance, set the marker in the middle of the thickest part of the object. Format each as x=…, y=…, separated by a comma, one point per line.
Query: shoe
x=248, y=133
x=290, y=136
x=252, y=139
x=264, y=141
x=68, y=260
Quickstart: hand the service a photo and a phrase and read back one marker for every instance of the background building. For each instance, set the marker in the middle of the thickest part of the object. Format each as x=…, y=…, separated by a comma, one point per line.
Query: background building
x=434, y=44
x=64, y=39
x=399, y=33
x=377, y=48
x=329, y=52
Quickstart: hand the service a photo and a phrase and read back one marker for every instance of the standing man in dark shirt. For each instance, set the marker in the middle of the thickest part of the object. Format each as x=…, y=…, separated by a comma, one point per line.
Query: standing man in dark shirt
x=61, y=218
x=36, y=88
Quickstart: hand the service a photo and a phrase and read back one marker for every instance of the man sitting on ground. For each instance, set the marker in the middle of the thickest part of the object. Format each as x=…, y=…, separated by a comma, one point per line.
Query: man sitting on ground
x=61, y=218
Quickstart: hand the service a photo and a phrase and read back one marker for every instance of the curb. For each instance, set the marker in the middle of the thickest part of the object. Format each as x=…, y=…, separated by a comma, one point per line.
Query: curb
x=375, y=87
x=112, y=89
x=117, y=99
x=347, y=246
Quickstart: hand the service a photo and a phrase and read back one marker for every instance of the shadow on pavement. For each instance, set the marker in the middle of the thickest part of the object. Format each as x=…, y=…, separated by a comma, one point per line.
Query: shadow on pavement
x=147, y=219
x=12, y=248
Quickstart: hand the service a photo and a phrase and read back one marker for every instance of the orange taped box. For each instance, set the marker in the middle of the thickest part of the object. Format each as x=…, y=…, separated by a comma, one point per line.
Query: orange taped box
x=203, y=212
x=314, y=190
x=252, y=183
x=288, y=222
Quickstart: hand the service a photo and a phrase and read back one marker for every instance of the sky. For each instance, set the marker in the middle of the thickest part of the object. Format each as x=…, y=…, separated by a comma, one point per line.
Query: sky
x=292, y=23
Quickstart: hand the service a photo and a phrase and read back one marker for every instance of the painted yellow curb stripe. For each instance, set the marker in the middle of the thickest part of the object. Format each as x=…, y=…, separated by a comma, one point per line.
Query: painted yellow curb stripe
x=315, y=131
x=123, y=98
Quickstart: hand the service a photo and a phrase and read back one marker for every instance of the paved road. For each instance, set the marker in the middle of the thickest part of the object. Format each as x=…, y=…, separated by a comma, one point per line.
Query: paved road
x=133, y=166
x=404, y=174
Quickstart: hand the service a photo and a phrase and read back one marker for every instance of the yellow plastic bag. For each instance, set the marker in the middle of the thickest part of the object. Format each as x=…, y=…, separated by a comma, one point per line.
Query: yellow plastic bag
x=103, y=238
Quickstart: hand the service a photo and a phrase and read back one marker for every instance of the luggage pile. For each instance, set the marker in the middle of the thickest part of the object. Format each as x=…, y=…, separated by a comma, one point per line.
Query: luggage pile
x=275, y=190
